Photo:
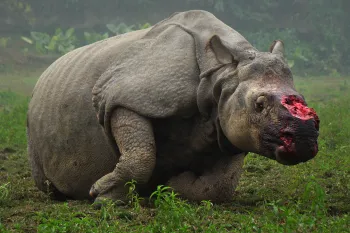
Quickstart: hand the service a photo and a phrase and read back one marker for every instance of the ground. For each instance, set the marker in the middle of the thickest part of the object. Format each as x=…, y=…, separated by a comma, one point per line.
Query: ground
x=310, y=197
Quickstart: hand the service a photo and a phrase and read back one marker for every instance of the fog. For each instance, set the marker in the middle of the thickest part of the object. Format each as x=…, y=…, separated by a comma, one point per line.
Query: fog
x=315, y=32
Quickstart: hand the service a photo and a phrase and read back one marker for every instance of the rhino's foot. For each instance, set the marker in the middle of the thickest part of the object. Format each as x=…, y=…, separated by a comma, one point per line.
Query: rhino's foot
x=116, y=195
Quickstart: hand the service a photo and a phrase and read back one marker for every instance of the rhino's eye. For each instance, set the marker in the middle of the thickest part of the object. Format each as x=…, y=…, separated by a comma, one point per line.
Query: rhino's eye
x=260, y=103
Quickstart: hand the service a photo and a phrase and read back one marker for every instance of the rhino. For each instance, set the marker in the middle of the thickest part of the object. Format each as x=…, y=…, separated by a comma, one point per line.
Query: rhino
x=180, y=103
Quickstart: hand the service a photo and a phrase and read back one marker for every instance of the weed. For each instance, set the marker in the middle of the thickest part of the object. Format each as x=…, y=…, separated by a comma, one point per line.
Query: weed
x=133, y=196
x=162, y=194
x=4, y=193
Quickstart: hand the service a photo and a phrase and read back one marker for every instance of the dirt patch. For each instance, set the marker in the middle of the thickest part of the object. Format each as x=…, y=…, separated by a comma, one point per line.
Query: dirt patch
x=5, y=153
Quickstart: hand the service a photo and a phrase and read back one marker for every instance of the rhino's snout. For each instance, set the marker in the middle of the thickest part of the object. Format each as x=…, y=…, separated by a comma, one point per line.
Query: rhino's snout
x=298, y=109
x=299, y=132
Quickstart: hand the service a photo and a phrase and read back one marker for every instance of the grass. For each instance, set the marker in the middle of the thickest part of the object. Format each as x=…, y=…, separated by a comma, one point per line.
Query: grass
x=21, y=81
x=310, y=197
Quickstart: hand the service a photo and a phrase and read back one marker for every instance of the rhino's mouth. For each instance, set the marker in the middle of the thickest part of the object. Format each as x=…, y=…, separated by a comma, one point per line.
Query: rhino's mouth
x=293, y=149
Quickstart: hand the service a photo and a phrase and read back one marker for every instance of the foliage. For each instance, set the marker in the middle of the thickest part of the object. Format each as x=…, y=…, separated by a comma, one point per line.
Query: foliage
x=120, y=28
x=298, y=53
x=123, y=28
x=61, y=42
x=16, y=9
x=314, y=31
x=179, y=215
x=91, y=37
x=4, y=193
x=144, y=26
x=4, y=41
x=133, y=196
x=41, y=41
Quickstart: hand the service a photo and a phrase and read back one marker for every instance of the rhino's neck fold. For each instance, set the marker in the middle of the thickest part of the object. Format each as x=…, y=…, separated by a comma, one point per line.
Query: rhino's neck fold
x=214, y=89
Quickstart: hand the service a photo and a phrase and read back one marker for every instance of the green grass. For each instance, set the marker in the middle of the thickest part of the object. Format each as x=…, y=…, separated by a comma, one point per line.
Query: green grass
x=21, y=82
x=12, y=120
x=310, y=197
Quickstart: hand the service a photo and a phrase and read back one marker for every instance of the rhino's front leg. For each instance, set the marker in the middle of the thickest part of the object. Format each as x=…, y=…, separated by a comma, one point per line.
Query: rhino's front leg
x=134, y=137
x=217, y=185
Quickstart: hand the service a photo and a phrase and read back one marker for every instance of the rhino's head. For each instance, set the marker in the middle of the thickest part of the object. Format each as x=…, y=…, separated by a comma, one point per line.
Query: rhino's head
x=259, y=109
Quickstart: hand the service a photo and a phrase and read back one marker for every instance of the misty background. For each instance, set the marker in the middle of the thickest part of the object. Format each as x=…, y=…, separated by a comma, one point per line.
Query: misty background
x=316, y=32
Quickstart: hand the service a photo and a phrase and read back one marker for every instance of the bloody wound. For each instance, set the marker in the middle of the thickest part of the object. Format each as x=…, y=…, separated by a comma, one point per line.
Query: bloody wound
x=298, y=108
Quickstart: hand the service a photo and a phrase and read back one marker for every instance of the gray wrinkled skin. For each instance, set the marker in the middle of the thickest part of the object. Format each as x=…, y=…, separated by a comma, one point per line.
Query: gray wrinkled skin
x=173, y=104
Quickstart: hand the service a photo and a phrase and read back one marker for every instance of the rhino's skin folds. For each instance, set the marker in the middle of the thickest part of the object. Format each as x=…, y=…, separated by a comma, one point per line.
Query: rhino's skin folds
x=179, y=103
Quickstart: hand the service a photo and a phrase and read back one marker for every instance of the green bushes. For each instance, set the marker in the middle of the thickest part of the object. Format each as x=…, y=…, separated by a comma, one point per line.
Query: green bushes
x=4, y=193
x=302, y=56
x=62, y=42
x=91, y=37
x=315, y=30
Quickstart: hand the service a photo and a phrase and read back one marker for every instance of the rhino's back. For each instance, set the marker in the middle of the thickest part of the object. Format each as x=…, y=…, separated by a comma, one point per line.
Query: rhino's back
x=64, y=138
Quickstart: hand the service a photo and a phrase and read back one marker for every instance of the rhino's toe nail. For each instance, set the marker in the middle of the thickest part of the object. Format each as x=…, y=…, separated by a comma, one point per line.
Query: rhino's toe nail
x=92, y=193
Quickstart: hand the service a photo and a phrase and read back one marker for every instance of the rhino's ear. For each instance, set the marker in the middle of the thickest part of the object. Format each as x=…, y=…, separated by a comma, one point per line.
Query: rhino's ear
x=222, y=54
x=277, y=47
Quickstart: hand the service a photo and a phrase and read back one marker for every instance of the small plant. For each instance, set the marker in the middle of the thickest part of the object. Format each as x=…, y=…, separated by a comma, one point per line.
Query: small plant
x=4, y=193
x=162, y=195
x=144, y=26
x=206, y=205
x=123, y=28
x=120, y=28
x=177, y=215
x=314, y=198
x=133, y=196
x=304, y=215
x=40, y=40
x=61, y=42
x=108, y=210
x=4, y=42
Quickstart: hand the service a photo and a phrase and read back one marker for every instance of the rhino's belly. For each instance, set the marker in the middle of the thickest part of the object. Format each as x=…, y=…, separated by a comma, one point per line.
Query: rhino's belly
x=175, y=150
x=175, y=159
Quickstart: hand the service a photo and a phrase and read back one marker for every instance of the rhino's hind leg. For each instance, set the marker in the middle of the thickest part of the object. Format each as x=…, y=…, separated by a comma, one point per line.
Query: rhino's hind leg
x=135, y=140
x=217, y=185
x=42, y=182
